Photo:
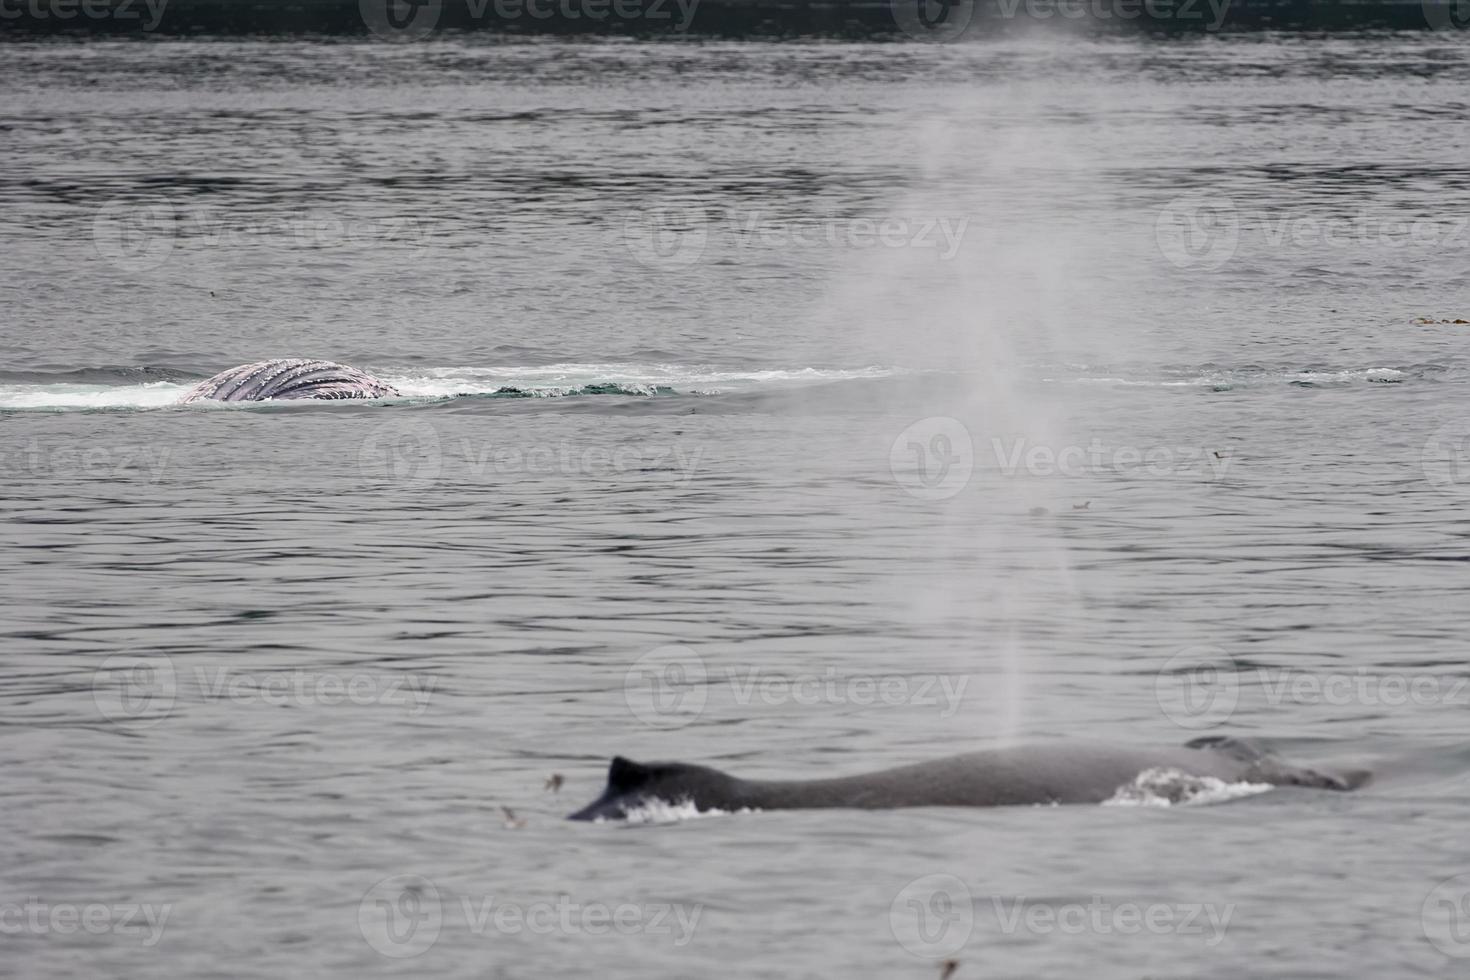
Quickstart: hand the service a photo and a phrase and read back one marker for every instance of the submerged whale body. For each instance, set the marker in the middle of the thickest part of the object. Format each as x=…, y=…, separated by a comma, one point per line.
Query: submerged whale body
x=288, y=378
x=1039, y=774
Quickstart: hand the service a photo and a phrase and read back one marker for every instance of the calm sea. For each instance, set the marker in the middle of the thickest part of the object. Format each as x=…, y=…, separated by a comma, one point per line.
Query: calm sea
x=795, y=408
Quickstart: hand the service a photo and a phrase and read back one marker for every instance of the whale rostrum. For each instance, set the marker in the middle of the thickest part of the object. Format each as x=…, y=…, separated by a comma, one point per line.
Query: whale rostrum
x=288, y=379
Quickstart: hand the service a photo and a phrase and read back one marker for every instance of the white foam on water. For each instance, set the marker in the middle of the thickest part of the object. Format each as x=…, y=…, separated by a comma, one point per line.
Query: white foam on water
x=155, y=394
x=545, y=381
x=572, y=377
x=1171, y=787
x=655, y=811
x=1228, y=379
x=1378, y=374
x=569, y=376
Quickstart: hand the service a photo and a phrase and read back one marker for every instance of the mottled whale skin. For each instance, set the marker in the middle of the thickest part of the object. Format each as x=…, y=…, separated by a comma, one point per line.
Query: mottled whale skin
x=288, y=378
x=1037, y=774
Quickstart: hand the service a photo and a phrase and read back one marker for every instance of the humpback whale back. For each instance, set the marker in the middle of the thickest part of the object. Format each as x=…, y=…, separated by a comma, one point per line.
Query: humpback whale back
x=1266, y=766
x=288, y=378
x=1037, y=774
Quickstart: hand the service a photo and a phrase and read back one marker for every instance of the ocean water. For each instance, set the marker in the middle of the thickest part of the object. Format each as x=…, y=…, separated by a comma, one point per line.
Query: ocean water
x=795, y=408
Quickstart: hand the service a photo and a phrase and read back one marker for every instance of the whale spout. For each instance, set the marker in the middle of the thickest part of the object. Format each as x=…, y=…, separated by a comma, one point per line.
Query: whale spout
x=288, y=379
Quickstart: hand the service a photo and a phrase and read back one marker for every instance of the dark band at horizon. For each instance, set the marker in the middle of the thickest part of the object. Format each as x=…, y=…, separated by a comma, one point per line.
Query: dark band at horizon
x=971, y=19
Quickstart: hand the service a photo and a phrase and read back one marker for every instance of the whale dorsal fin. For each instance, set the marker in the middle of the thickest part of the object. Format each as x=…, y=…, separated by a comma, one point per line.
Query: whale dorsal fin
x=1243, y=749
x=625, y=774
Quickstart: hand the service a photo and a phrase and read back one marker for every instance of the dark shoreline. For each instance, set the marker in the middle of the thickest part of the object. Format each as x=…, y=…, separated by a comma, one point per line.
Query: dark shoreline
x=941, y=20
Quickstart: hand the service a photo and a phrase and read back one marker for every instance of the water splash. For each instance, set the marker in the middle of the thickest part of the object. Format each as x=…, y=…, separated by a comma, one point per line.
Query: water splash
x=655, y=811
x=39, y=393
x=1171, y=787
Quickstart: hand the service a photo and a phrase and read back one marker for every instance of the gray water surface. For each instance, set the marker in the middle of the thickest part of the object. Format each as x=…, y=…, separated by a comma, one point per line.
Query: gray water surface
x=1153, y=445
